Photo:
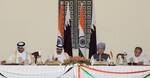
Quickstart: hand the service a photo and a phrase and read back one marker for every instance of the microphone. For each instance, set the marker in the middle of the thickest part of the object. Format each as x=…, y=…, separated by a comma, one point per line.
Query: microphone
x=2, y=75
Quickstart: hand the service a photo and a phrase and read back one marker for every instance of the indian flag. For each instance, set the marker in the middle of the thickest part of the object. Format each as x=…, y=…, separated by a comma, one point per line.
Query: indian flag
x=82, y=41
x=60, y=25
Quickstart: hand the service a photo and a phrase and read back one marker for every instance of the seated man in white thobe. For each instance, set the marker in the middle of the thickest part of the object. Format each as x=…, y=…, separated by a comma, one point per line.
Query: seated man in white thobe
x=138, y=58
x=20, y=56
x=60, y=55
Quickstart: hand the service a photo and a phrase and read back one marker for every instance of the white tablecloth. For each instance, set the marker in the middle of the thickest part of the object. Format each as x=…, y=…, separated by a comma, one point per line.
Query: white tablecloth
x=56, y=71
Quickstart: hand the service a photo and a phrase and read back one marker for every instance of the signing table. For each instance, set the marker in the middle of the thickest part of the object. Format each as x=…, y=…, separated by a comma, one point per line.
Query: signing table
x=74, y=71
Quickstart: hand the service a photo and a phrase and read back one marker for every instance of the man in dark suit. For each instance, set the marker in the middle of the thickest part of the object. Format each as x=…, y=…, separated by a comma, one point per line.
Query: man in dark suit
x=100, y=55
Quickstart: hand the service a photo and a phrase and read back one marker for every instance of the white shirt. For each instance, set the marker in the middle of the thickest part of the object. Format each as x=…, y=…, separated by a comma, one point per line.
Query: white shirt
x=61, y=57
x=142, y=58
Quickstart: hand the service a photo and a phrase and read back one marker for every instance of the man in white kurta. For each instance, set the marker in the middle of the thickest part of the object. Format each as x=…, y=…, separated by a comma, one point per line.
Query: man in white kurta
x=138, y=58
x=20, y=56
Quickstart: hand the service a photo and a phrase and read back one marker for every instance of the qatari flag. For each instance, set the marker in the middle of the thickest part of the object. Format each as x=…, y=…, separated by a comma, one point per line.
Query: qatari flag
x=93, y=41
x=67, y=33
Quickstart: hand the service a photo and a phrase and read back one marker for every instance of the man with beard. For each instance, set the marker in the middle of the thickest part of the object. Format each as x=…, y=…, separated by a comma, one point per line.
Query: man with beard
x=60, y=55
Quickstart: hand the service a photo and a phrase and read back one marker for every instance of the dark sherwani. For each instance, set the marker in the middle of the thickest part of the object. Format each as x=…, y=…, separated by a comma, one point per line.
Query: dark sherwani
x=103, y=57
